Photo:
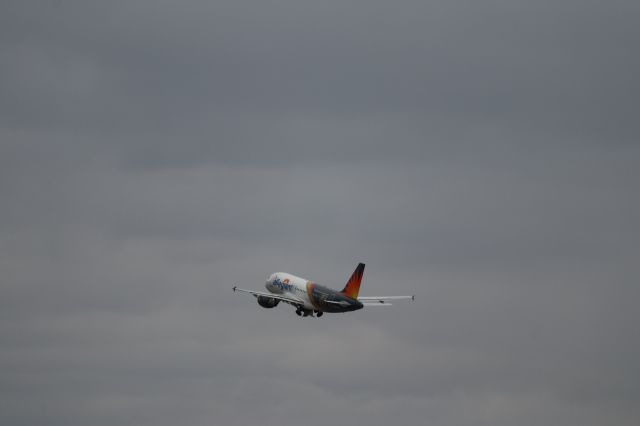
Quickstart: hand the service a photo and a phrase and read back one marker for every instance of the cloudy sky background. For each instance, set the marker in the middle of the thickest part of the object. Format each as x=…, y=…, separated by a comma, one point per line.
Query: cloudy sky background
x=482, y=155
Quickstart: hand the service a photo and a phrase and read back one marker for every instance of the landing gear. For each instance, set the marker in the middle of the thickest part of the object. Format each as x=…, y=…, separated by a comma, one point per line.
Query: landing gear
x=301, y=312
x=319, y=314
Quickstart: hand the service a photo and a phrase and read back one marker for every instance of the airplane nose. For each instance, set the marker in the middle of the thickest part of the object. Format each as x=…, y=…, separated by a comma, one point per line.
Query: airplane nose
x=270, y=280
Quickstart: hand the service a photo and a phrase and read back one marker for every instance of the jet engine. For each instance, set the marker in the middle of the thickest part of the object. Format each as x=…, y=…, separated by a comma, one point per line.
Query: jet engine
x=267, y=302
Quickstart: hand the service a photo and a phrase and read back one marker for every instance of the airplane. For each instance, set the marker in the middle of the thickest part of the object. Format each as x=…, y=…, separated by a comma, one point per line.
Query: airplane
x=309, y=298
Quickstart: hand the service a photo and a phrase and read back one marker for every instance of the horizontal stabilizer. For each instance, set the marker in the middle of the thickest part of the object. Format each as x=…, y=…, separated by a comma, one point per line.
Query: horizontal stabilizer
x=384, y=298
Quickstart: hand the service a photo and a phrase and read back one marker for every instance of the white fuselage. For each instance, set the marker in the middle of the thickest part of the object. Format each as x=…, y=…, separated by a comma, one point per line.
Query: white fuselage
x=283, y=283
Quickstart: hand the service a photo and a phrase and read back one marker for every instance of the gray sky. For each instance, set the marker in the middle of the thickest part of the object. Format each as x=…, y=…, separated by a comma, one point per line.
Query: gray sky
x=482, y=155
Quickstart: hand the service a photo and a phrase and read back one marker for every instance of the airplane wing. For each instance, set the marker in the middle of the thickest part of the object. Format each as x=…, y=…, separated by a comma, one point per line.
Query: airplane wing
x=383, y=301
x=290, y=300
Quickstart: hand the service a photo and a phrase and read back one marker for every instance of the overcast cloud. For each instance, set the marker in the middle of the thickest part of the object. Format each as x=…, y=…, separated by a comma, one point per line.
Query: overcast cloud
x=483, y=155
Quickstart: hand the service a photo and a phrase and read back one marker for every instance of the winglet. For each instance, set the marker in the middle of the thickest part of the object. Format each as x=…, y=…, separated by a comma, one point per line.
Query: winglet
x=234, y=288
x=353, y=285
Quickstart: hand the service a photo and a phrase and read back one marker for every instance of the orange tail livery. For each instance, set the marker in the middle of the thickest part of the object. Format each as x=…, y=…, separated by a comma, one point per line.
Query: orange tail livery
x=353, y=285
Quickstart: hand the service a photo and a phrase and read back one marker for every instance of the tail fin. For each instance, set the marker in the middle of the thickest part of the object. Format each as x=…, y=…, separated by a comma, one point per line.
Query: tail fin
x=353, y=285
